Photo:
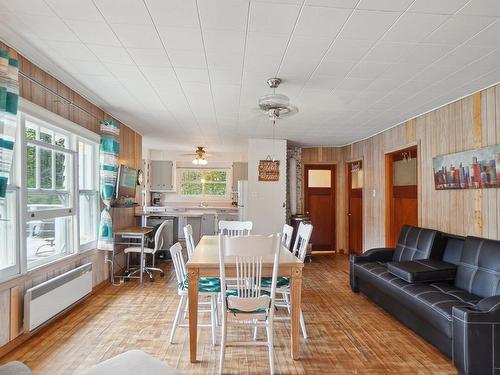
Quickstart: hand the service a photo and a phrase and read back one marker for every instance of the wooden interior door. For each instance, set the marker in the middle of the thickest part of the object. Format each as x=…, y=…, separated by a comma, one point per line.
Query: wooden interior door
x=319, y=203
x=355, y=207
x=401, y=192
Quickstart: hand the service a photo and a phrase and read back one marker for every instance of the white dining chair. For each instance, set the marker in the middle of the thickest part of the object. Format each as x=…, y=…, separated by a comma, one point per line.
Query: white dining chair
x=235, y=228
x=248, y=304
x=287, y=236
x=148, y=251
x=188, y=234
x=208, y=287
x=283, y=283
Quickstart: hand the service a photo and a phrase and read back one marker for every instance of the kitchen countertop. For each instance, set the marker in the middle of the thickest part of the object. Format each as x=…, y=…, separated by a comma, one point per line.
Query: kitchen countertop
x=187, y=213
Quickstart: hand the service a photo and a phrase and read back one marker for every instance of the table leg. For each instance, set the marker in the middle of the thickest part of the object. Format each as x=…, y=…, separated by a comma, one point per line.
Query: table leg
x=296, y=290
x=193, y=275
x=141, y=266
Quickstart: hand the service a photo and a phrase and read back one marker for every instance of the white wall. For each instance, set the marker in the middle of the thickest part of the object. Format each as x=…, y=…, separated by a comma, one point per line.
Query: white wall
x=266, y=199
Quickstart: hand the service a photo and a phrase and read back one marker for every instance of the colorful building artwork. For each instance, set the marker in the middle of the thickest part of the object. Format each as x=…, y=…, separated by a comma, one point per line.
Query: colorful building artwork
x=475, y=169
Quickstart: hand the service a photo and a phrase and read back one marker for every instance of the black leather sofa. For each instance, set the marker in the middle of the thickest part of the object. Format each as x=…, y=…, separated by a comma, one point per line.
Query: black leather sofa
x=444, y=287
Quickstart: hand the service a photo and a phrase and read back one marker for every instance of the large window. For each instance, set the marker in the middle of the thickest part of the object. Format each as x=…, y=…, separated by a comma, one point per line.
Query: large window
x=204, y=183
x=52, y=206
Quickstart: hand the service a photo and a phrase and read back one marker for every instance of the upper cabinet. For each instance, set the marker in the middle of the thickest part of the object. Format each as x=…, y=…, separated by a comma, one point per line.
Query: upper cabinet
x=162, y=175
x=240, y=172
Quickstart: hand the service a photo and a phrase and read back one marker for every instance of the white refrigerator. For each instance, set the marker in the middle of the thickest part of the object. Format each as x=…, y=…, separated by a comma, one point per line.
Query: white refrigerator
x=242, y=200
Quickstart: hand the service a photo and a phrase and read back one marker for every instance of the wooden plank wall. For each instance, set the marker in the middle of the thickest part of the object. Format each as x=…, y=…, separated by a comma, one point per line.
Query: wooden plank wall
x=463, y=125
x=12, y=292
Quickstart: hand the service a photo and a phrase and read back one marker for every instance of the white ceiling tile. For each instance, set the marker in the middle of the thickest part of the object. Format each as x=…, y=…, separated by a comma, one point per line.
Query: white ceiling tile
x=50, y=28
x=384, y=85
x=137, y=36
x=233, y=16
x=188, y=59
x=159, y=76
x=110, y=54
x=224, y=60
x=266, y=44
x=263, y=18
x=369, y=25
x=337, y=68
x=261, y=63
x=437, y=7
x=149, y=57
x=176, y=13
x=217, y=40
x=465, y=54
x=368, y=70
x=123, y=71
x=225, y=76
x=298, y=67
x=323, y=82
x=333, y=3
x=86, y=67
x=435, y=73
x=192, y=75
x=349, y=49
x=388, y=5
x=84, y=10
x=307, y=47
x=69, y=50
x=124, y=11
x=403, y=71
x=459, y=28
x=413, y=27
x=488, y=37
x=28, y=7
x=320, y=21
x=180, y=38
x=93, y=32
x=482, y=8
x=388, y=52
x=426, y=53
x=353, y=84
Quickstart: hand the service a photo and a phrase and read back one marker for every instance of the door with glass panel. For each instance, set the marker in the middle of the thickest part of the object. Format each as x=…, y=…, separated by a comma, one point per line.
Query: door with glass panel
x=319, y=203
x=401, y=192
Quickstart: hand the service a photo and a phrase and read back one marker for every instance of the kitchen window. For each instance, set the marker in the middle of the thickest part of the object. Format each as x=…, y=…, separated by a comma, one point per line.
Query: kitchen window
x=204, y=183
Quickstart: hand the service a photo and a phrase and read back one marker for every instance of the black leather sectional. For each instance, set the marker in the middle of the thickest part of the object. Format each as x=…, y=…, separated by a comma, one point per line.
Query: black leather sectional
x=444, y=287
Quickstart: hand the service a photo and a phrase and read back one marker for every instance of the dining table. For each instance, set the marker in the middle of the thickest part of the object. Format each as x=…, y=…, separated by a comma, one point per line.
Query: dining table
x=205, y=263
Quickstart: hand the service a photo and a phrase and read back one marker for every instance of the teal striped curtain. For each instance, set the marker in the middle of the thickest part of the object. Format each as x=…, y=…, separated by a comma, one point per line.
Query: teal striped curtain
x=108, y=163
x=9, y=98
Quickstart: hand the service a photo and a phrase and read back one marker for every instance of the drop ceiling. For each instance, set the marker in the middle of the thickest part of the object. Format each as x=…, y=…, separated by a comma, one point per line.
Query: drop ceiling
x=188, y=73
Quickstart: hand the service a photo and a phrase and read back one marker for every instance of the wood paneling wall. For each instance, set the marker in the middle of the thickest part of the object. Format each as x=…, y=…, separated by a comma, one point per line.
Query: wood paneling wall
x=12, y=292
x=466, y=124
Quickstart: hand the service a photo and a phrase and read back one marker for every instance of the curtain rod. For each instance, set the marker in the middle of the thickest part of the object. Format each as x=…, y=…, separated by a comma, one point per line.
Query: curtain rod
x=65, y=100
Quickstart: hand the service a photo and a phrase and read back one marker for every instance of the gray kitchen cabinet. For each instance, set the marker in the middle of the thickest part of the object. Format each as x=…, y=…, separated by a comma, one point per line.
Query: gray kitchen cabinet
x=162, y=175
x=240, y=172
x=195, y=223
x=208, y=225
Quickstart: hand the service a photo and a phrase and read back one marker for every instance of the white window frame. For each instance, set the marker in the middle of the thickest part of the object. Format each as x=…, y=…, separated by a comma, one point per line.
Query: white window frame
x=229, y=177
x=15, y=269
x=74, y=133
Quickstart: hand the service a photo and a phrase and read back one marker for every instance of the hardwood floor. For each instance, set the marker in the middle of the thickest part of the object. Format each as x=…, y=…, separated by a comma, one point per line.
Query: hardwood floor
x=348, y=334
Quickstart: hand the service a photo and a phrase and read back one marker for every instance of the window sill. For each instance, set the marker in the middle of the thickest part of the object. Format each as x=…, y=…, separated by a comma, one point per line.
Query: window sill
x=15, y=280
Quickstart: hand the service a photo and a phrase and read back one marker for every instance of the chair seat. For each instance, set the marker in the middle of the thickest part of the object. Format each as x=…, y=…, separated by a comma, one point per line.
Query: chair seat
x=280, y=282
x=261, y=313
x=147, y=250
x=205, y=284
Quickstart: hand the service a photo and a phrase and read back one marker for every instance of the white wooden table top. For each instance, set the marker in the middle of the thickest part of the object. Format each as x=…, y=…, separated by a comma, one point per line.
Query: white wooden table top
x=206, y=254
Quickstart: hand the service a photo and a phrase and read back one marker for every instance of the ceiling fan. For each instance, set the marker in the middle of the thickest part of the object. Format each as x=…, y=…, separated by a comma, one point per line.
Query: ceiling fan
x=200, y=156
x=276, y=106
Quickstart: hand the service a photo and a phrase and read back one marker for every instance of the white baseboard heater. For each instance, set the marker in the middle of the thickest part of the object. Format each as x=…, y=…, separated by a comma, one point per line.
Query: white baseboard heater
x=48, y=299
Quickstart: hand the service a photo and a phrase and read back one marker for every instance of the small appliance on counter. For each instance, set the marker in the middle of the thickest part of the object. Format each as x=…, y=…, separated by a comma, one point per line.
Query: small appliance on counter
x=155, y=199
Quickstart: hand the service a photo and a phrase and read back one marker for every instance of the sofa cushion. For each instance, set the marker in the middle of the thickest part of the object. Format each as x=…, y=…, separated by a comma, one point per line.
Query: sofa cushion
x=131, y=363
x=423, y=270
x=479, y=268
x=417, y=243
x=432, y=302
x=15, y=368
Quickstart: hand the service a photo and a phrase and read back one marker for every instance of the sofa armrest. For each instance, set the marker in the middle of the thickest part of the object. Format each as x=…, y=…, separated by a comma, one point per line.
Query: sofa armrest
x=474, y=336
x=381, y=254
